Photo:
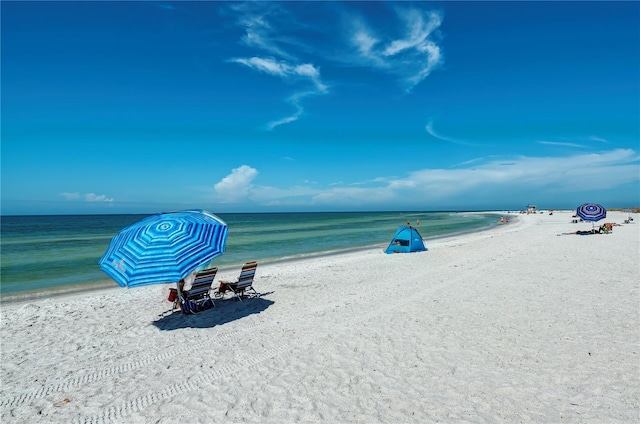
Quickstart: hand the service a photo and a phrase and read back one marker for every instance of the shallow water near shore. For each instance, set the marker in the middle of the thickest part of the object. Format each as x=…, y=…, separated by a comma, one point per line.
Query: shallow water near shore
x=61, y=252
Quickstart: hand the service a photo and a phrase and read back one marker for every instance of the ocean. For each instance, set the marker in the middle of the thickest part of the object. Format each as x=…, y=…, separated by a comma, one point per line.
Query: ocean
x=61, y=252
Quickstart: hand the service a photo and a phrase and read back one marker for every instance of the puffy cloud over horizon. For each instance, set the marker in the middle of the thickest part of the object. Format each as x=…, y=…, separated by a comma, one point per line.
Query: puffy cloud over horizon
x=591, y=171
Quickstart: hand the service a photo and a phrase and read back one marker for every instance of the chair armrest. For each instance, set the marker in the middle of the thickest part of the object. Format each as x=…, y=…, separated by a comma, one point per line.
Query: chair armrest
x=223, y=286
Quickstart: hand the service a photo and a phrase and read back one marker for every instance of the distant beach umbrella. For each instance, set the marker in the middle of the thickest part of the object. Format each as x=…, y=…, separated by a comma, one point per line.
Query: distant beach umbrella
x=591, y=212
x=164, y=248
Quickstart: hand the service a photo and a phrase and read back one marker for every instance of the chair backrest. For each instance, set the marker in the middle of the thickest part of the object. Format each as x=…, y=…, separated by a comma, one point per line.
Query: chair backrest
x=201, y=284
x=247, y=273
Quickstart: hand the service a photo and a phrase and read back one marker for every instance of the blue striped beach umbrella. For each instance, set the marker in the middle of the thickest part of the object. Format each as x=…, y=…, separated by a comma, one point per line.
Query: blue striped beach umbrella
x=164, y=248
x=591, y=212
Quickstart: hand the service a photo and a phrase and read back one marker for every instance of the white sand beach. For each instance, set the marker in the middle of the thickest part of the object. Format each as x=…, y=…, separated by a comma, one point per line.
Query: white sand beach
x=513, y=324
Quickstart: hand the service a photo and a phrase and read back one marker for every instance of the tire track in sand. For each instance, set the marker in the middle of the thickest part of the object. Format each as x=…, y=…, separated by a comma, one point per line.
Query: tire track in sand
x=118, y=413
x=186, y=349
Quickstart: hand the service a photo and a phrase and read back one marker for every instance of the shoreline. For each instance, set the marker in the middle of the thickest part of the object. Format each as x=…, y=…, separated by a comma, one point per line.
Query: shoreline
x=108, y=284
x=494, y=326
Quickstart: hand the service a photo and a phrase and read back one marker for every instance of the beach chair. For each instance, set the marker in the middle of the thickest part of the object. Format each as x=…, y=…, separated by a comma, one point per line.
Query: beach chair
x=198, y=297
x=243, y=286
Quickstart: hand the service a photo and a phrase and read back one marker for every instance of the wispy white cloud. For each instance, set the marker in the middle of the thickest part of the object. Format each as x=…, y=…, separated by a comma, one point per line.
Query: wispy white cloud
x=296, y=101
x=92, y=197
x=269, y=66
x=585, y=142
x=288, y=72
x=261, y=34
x=364, y=40
x=274, y=196
x=87, y=197
x=412, y=56
x=284, y=70
x=286, y=120
x=70, y=196
x=163, y=5
x=560, y=144
x=256, y=20
x=430, y=130
x=475, y=180
x=354, y=196
x=468, y=162
x=592, y=171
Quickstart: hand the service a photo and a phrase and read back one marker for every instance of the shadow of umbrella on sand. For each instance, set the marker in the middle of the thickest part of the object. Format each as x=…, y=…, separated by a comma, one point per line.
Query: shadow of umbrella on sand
x=226, y=312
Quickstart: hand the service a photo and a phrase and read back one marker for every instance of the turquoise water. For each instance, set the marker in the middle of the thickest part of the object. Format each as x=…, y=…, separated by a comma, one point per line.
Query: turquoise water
x=41, y=253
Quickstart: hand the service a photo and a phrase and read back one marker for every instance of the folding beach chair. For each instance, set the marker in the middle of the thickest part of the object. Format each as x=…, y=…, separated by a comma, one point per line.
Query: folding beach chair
x=197, y=298
x=243, y=286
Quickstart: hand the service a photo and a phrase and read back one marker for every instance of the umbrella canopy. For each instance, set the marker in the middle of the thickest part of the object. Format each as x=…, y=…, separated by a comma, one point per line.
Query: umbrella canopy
x=164, y=248
x=591, y=212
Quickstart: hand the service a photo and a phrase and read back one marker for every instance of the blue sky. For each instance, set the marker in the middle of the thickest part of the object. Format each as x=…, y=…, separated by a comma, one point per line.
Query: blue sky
x=143, y=107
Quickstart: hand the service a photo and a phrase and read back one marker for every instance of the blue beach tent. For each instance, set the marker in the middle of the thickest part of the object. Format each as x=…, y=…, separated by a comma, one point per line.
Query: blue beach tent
x=406, y=240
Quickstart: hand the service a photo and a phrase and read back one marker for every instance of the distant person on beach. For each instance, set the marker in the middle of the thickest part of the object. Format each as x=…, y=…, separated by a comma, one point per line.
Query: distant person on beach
x=608, y=227
x=582, y=233
x=502, y=219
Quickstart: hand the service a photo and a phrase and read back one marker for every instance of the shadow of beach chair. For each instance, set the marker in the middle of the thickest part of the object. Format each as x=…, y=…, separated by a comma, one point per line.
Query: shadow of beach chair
x=243, y=286
x=198, y=297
